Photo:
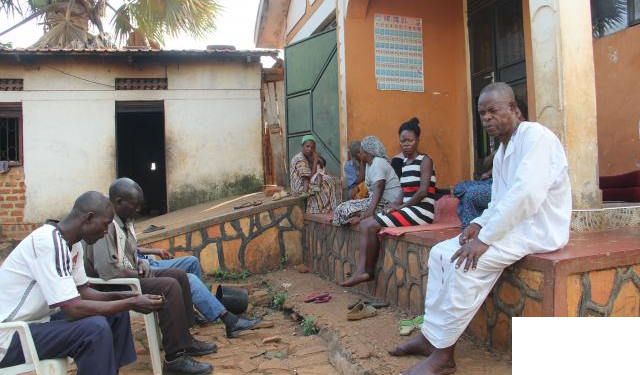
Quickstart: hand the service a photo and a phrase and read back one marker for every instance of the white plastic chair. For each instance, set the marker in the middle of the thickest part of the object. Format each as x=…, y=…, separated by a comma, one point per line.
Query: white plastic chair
x=33, y=363
x=153, y=334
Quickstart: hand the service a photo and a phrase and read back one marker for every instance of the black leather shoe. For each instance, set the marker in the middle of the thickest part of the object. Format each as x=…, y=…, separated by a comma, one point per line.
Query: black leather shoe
x=241, y=325
x=200, y=319
x=199, y=348
x=187, y=366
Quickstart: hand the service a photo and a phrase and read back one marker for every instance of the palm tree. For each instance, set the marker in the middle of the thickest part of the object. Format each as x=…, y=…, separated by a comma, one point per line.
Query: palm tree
x=607, y=16
x=136, y=22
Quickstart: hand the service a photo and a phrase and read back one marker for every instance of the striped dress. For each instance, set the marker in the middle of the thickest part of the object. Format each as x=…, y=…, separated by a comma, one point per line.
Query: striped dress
x=422, y=212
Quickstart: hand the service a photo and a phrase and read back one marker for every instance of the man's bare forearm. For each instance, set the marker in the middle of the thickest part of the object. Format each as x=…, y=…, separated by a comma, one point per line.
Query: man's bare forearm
x=85, y=308
x=89, y=294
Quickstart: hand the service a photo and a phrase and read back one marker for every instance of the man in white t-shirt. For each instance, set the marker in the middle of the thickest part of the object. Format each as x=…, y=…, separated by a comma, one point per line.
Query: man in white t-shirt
x=44, y=282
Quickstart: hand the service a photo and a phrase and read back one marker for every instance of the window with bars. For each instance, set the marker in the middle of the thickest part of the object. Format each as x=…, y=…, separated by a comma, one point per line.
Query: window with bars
x=141, y=84
x=10, y=133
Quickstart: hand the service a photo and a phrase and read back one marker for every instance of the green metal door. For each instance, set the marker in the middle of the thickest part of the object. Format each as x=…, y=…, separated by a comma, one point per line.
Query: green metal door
x=311, y=84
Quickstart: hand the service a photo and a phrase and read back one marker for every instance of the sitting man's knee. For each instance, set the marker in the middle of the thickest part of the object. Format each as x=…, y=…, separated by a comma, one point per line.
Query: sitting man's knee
x=192, y=278
x=171, y=285
x=94, y=325
x=192, y=263
x=175, y=273
x=191, y=260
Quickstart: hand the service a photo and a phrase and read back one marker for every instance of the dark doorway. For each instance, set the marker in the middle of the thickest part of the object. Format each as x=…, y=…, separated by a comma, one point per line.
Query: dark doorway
x=141, y=151
x=496, y=44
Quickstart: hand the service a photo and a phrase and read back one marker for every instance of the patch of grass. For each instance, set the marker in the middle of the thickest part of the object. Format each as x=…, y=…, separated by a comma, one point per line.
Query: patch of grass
x=278, y=300
x=309, y=326
x=230, y=275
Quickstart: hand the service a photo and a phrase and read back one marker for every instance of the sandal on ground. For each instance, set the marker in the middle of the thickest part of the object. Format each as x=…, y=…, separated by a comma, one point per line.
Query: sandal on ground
x=323, y=299
x=317, y=296
x=351, y=306
x=418, y=320
x=377, y=304
x=373, y=303
x=284, y=194
x=248, y=204
x=153, y=228
x=361, y=311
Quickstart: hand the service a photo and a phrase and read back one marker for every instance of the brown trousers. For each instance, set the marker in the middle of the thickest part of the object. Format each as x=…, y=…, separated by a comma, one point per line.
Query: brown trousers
x=177, y=315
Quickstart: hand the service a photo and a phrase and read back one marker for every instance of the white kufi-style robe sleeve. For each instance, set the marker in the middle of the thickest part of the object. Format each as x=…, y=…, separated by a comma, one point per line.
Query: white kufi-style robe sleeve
x=534, y=176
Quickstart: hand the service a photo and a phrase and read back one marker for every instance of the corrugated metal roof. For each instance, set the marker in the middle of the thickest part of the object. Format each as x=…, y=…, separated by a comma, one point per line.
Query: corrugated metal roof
x=137, y=51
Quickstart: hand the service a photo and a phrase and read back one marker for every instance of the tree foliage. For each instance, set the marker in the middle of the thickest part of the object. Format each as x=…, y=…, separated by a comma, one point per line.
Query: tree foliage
x=136, y=22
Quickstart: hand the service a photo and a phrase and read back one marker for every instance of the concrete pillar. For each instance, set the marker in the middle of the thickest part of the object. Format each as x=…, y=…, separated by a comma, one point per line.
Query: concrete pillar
x=565, y=93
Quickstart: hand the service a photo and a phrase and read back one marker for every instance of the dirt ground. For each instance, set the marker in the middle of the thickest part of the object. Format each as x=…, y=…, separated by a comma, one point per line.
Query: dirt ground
x=247, y=354
x=364, y=344
x=341, y=347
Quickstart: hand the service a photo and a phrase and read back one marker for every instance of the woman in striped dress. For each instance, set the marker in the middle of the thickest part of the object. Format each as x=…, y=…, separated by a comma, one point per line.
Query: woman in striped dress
x=414, y=207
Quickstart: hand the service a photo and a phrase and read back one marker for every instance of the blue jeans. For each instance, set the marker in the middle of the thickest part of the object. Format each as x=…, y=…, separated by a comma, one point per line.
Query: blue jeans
x=474, y=198
x=203, y=300
x=187, y=264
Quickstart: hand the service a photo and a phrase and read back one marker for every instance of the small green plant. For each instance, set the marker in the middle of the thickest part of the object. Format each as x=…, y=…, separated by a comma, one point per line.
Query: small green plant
x=230, y=275
x=284, y=260
x=278, y=300
x=309, y=326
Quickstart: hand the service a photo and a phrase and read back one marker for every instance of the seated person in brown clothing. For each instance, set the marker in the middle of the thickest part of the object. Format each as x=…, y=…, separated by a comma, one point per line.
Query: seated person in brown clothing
x=114, y=256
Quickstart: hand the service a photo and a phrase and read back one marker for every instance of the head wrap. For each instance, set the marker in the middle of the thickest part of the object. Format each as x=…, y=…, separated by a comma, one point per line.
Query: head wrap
x=372, y=145
x=306, y=138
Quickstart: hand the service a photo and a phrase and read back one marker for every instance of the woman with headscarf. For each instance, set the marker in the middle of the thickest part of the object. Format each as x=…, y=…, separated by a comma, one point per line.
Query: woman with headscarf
x=323, y=196
x=381, y=180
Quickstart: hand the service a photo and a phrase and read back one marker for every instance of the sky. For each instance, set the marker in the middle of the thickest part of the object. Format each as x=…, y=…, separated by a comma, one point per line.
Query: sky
x=235, y=27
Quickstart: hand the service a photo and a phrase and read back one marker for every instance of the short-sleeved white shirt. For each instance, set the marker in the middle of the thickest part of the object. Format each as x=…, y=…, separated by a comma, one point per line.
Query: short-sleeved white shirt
x=39, y=275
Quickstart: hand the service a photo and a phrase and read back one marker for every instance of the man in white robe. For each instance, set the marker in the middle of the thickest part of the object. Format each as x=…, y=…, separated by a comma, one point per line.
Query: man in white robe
x=529, y=212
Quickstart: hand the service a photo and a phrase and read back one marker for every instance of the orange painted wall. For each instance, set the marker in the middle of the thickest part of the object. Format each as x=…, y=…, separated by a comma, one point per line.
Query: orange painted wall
x=617, y=67
x=443, y=107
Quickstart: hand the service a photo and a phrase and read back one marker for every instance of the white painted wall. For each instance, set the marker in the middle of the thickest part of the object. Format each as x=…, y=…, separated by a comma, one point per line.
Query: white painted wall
x=321, y=14
x=212, y=125
x=69, y=148
x=297, y=8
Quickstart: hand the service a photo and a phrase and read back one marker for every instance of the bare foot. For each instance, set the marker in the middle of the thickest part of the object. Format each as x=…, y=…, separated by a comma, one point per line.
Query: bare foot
x=434, y=365
x=359, y=277
x=417, y=345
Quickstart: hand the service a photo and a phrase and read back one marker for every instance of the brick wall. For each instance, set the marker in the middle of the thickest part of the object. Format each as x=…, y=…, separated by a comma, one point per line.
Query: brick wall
x=12, y=201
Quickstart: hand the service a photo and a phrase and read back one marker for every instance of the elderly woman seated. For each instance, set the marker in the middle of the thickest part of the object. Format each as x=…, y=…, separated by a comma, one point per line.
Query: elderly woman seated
x=323, y=194
x=382, y=183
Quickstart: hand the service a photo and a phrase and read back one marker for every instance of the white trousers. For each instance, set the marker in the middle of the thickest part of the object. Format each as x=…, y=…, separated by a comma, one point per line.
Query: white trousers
x=453, y=296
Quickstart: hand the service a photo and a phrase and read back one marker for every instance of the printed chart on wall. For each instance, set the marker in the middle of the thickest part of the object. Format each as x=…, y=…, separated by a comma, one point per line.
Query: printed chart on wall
x=399, y=63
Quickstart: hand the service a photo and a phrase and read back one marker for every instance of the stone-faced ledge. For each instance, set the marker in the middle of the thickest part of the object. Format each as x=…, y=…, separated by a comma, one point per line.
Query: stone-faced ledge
x=256, y=239
x=596, y=274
